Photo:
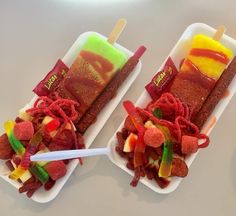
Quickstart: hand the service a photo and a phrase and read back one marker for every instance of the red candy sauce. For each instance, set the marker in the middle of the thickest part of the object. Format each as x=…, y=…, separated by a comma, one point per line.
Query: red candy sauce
x=218, y=56
x=99, y=63
x=195, y=75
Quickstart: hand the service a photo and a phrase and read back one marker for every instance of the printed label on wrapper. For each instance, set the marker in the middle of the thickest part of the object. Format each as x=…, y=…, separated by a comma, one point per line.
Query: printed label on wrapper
x=52, y=79
x=162, y=80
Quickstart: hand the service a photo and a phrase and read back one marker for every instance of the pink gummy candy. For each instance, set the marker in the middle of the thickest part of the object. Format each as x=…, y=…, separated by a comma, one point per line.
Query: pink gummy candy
x=23, y=130
x=56, y=169
x=189, y=144
x=153, y=137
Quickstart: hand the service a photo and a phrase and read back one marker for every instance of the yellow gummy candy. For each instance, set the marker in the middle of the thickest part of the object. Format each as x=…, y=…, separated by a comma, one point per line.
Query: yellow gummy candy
x=9, y=125
x=17, y=173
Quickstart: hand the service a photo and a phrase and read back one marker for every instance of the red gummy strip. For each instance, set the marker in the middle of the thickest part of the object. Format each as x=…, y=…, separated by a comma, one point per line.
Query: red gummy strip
x=60, y=108
x=131, y=110
x=16, y=159
x=63, y=110
x=156, y=120
x=204, y=144
x=49, y=184
x=9, y=165
x=25, y=162
x=30, y=180
x=178, y=113
x=182, y=123
x=30, y=186
x=30, y=193
x=171, y=107
x=138, y=123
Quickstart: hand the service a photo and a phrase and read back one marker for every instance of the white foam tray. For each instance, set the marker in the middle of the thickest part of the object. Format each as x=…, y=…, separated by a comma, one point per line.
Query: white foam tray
x=179, y=52
x=41, y=195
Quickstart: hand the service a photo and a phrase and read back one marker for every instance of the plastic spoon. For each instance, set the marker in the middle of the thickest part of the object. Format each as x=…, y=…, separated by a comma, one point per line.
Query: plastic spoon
x=70, y=154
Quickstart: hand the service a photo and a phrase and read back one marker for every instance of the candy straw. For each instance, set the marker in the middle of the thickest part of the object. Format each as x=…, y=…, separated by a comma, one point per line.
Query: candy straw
x=117, y=30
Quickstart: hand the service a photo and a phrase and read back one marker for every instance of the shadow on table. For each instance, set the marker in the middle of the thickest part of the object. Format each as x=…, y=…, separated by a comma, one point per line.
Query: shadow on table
x=20, y=201
x=104, y=167
x=233, y=170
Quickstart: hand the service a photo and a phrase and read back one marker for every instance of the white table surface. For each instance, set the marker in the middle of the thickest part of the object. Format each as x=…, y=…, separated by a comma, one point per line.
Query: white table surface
x=35, y=33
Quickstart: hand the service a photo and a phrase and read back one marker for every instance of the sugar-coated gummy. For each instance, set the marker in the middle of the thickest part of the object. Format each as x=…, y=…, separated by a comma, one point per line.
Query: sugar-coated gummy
x=23, y=130
x=6, y=150
x=56, y=169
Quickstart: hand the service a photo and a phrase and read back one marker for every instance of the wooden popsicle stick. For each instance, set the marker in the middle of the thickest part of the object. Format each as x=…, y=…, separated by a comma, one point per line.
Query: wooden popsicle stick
x=219, y=33
x=117, y=30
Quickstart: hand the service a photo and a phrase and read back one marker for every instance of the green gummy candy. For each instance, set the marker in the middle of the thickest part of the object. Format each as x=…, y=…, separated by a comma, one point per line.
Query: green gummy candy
x=40, y=173
x=157, y=113
x=16, y=144
x=167, y=152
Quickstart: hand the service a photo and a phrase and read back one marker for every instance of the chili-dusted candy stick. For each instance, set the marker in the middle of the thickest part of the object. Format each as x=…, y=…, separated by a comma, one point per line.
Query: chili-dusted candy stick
x=216, y=94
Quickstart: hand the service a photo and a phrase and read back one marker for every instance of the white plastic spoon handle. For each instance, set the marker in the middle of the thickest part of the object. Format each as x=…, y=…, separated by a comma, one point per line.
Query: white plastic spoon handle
x=69, y=154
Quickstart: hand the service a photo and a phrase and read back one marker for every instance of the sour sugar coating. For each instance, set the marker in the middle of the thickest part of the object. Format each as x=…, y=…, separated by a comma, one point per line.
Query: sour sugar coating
x=23, y=130
x=153, y=137
x=179, y=167
x=189, y=144
x=56, y=169
x=216, y=94
x=200, y=70
x=96, y=64
x=6, y=151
